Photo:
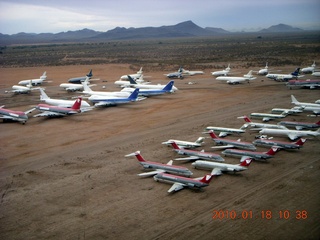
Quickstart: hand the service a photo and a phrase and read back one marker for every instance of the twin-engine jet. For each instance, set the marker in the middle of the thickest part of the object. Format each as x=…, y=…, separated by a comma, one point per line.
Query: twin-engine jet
x=235, y=80
x=303, y=104
x=219, y=168
x=195, y=155
x=258, y=126
x=34, y=82
x=300, y=125
x=268, y=116
x=12, y=115
x=159, y=167
x=260, y=156
x=226, y=131
x=312, y=84
x=186, y=144
x=280, y=144
x=291, y=134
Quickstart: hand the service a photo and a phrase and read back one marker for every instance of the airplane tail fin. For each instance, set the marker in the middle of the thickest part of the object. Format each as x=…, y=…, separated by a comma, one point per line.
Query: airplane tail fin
x=213, y=135
x=200, y=140
x=43, y=95
x=134, y=95
x=131, y=80
x=140, y=71
x=175, y=145
x=85, y=85
x=77, y=104
x=138, y=156
x=207, y=178
x=169, y=86
x=273, y=150
x=294, y=100
x=318, y=123
x=44, y=75
x=301, y=141
x=245, y=162
x=296, y=72
x=89, y=75
x=246, y=119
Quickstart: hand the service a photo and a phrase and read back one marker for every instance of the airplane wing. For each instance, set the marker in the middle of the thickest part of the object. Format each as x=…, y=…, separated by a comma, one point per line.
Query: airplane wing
x=191, y=158
x=223, y=134
x=216, y=172
x=147, y=174
x=292, y=136
x=49, y=114
x=266, y=119
x=223, y=146
x=176, y=187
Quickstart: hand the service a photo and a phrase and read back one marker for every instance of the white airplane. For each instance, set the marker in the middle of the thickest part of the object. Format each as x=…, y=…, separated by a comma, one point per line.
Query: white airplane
x=159, y=167
x=219, y=168
x=290, y=111
x=100, y=100
x=21, y=89
x=195, y=155
x=89, y=91
x=260, y=156
x=226, y=131
x=124, y=83
x=133, y=83
x=316, y=74
x=280, y=144
x=268, y=116
x=60, y=102
x=258, y=126
x=186, y=144
x=309, y=69
x=12, y=115
x=303, y=104
x=300, y=125
x=291, y=134
x=284, y=77
x=182, y=182
x=228, y=143
x=55, y=111
x=264, y=71
x=152, y=92
x=191, y=73
x=37, y=81
x=134, y=75
x=224, y=72
x=236, y=80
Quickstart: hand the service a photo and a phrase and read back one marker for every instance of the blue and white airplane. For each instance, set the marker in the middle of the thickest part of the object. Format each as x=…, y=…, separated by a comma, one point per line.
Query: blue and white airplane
x=152, y=92
x=78, y=80
x=99, y=100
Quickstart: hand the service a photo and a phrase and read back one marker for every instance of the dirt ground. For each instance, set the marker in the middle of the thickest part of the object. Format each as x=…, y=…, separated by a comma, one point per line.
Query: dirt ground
x=67, y=178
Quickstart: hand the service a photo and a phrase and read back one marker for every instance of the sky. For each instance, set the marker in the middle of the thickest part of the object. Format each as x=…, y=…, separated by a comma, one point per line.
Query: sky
x=44, y=16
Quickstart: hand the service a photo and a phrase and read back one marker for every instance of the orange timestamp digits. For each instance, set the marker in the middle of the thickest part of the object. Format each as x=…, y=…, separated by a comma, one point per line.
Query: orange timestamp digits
x=263, y=214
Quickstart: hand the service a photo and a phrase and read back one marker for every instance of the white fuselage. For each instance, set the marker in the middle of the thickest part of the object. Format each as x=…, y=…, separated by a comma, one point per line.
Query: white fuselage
x=64, y=103
x=71, y=86
x=222, y=166
x=34, y=81
x=228, y=130
x=292, y=134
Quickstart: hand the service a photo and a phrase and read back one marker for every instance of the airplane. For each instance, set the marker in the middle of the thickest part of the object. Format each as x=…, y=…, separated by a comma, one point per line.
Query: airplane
x=159, y=167
x=152, y=92
x=257, y=126
x=309, y=69
x=191, y=73
x=300, y=125
x=261, y=156
x=56, y=111
x=280, y=144
x=312, y=84
x=71, y=87
x=124, y=83
x=316, y=74
x=89, y=91
x=237, y=80
x=284, y=77
x=59, y=102
x=303, y=104
x=16, y=89
x=224, y=72
x=133, y=83
x=7, y=114
x=175, y=74
x=186, y=144
x=134, y=76
x=290, y=111
x=291, y=134
x=114, y=100
x=195, y=155
x=228, y=143
x=226, y=131
x=182, y=182
x=37, y=81
x=219, y=168
x=268, y=116
x=264, y=71
x=78, y=80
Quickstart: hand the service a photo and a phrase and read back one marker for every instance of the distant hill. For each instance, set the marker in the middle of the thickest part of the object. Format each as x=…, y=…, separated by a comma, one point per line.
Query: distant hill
x=281, y=28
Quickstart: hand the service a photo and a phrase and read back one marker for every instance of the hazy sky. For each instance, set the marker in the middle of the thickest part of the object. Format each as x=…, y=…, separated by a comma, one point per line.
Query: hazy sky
x=36, y=16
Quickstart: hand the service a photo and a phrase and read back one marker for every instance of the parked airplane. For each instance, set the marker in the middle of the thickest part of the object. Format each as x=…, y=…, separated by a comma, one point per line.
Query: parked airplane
x=89, y=91
x=258, y=126
x=186, y=144
x=236, y=80
x=264, y=71
x=100, y=100
x=16, y=89
x=309, y=69
x=316, y=74
x=300, y=125
x=175, y=74
x=219, y=168
x=60, y=102
x=195, y=155
x=312, y=84
x=152, y=92
x=262, y=156
x=125, y=83
x=292, y=134
x=78, y=80
x=226, y=131
x=159, y=167
x=303, y=104
x=134, y=75
x=12, y=115
x=133, y=83
x=284, y=77
x=71, y=87
x=290, y=111
x=37, y=81
x=268, y=116
x=191, y=73
x=280, y=144
x=56, y=111
x=228, y=143
x=182, y=182
x=224, y=72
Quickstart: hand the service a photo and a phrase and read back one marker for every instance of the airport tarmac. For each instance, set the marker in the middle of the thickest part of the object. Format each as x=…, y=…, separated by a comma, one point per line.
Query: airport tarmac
x=67, y=178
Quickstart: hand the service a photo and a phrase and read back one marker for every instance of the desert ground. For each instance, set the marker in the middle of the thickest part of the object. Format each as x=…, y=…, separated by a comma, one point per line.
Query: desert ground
x=67, y=178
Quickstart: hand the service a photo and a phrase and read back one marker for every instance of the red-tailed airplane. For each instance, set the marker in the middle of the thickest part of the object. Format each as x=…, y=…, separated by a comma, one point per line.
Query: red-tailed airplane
x=56, y=111
x=159, y=167
x=258, y=126
x=195, y=155
x=182, y=182
x=280, y=144
x=11, y=115
x=262, y=156
x=228, y=143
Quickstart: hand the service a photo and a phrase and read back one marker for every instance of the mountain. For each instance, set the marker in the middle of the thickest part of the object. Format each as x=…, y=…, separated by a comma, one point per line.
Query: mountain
x=281, y=28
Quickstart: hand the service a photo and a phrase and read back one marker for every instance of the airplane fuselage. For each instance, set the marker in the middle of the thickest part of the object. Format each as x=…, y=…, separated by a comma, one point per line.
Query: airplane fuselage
x=281, y=144
x=56, y=109
x=234, y=143
x=240, y=153
x=300, y=125
x=292, y=134
x=13, y=115
x=224, y=167
x=222, y=129
x=168, y=168
x=200, y=154
x=188, y=182
x=33, y=81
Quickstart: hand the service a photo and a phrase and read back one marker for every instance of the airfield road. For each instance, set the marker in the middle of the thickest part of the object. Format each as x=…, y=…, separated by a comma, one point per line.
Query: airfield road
x=67, y=178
